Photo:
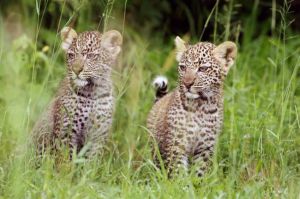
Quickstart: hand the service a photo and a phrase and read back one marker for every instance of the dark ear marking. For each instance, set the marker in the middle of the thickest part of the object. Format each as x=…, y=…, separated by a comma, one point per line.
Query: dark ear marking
x=112, y=41
x=225, y=53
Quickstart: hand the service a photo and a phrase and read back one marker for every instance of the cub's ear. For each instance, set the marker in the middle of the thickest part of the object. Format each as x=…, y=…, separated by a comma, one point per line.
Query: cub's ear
x=225, y=53
x=180, y=47
x=67, y=35
x=112, y=41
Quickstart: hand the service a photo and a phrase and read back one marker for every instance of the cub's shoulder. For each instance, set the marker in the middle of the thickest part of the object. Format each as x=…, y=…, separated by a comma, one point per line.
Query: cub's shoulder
x=166, y=100
x=161, y=107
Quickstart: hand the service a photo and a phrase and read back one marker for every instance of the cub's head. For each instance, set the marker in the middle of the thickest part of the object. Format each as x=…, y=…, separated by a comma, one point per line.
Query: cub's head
x=90, y=55
x=203, y=67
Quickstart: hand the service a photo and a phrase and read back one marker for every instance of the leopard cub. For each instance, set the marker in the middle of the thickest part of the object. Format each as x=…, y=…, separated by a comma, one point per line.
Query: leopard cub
x=186, y=123
x=81, y=112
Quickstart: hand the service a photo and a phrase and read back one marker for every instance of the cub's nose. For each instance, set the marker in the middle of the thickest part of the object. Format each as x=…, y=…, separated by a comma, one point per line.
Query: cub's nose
x=77, y=67
x=189, y=81
x=189, y=84
x=189, y=78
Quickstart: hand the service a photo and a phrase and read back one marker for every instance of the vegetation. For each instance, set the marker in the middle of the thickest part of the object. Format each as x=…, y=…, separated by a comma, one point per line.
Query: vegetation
x=258, y=153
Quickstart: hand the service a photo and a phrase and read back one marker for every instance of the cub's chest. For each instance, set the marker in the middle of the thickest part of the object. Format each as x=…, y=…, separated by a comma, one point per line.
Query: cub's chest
x=79, y=109
x=76, y=105
x=193, y=123
x=84, y=109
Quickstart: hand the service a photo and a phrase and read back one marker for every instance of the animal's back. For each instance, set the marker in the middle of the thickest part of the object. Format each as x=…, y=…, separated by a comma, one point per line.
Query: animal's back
x=157, y=119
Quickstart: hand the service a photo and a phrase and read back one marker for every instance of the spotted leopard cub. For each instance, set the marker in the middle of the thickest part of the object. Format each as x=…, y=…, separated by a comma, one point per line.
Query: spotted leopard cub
x=81, y=112
x=186, y=122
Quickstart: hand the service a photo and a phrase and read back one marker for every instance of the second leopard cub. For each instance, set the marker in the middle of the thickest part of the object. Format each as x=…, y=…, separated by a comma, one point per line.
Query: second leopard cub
x=186, y=122
x=81, y=112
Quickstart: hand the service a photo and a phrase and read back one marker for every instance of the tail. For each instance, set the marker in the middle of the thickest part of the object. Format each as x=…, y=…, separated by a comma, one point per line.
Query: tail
x=161, y=85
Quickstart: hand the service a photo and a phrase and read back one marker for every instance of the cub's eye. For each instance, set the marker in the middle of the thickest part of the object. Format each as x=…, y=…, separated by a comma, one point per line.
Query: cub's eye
x=90, y=56
x=182, y=67
x=70, y=55
x=202, y=69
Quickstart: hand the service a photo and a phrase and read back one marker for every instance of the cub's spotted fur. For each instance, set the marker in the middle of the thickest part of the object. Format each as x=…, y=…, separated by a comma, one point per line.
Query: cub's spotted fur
x=81, y=112
x=186, y=122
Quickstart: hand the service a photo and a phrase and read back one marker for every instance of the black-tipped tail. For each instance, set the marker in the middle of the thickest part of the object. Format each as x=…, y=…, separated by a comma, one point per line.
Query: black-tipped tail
x=161, y=85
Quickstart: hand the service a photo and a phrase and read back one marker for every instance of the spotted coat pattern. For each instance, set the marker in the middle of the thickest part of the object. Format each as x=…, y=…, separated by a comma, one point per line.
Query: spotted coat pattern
x=81, y=112
x=186, y=122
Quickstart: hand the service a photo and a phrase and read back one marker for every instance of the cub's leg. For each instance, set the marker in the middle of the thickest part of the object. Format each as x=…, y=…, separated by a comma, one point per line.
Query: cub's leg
x=202, y=157
x=42, y=134
x=176, y=158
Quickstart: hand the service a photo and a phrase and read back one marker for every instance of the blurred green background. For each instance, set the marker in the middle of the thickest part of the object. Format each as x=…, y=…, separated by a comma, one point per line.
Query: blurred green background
x=258, y=153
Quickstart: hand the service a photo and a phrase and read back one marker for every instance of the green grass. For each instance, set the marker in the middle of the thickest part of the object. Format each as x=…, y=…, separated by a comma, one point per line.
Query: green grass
x=258, y=152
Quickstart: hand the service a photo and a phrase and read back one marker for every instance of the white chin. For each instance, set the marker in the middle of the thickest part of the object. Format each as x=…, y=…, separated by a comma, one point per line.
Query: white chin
x=191, y=95
x=80, y=82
